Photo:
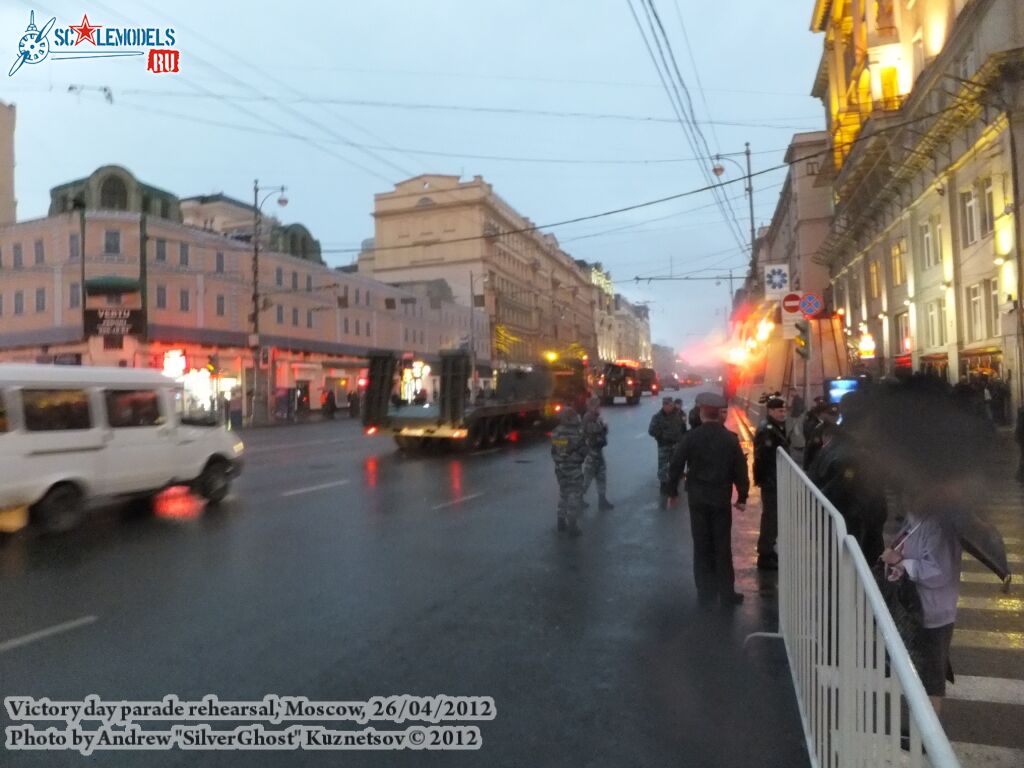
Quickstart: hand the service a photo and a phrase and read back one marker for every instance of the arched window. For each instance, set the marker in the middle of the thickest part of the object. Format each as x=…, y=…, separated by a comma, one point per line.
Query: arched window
x=114, y=194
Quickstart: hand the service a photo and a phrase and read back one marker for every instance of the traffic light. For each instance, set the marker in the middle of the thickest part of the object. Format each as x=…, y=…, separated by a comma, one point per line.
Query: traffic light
x=803, y=338
x=213, y=364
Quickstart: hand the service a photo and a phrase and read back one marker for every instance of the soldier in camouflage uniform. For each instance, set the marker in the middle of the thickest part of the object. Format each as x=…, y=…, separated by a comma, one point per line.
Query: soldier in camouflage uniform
x=569, y=450
x=595, y=432
x=667, y=427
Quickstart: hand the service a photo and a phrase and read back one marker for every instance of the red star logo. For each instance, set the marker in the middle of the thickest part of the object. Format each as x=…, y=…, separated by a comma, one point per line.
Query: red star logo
x=85, y=30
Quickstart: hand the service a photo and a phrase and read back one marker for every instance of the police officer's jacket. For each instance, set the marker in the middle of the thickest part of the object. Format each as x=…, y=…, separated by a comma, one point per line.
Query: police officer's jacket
x=714, y=463
x=667, y=428
x=568, y=446
x=595, y=432
x=770, y=435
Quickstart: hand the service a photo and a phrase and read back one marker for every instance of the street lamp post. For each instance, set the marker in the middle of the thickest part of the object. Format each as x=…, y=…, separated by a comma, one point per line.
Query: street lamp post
x=718, y=170
x=260, y=396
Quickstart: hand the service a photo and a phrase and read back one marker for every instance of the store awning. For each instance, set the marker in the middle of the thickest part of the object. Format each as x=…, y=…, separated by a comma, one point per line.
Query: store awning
x=111, y=284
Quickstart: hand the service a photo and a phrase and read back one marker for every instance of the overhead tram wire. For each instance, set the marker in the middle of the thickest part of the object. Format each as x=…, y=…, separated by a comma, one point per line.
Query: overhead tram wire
x=312, y=142
x=690, y=130
x=657, y=201
x=692, y=114
x=696, y=74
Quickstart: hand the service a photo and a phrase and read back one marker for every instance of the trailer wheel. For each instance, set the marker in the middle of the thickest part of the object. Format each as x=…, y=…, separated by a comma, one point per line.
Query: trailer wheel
x=495, y=431
x=478, y=434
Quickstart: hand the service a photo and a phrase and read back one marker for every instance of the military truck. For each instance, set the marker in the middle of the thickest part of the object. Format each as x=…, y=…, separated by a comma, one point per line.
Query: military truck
x=521, y=399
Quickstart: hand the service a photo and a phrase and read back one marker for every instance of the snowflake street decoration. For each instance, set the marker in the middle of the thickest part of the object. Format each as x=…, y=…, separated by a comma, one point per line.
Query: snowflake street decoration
x=776, y=278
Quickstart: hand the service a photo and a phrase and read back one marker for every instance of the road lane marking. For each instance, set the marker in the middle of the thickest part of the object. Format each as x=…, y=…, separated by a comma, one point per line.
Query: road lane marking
x=287, y=446
x=311, y=488
x=995, y=690
x=979, y=638
x=56, y=629
x=983, y=577
x=456, y=501
x=994, y=603
x=988, y=756
x=1012, y=558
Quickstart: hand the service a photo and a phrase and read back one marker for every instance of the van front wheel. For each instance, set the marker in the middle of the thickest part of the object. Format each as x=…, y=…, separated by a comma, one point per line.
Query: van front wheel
x=61, y=509
x=215, y=482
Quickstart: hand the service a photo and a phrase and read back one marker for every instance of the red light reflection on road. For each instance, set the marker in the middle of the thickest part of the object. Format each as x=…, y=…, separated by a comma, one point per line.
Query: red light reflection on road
x=370, y=466
x=178, y=503
x=455, y=477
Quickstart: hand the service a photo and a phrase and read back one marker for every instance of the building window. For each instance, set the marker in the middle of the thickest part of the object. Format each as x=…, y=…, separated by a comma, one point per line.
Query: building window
x=357, y=297
x=114, y=194
x=16, y=258
x=295, y=281
x=344, y=326
x=874, y=281
x=367, y=297
x=183, y=300
x=74, y=247
x=813, y=166
x=987, y=217
x=993, y=308
x=161, y=249
x=367, y=328
x=40, y=253
x=309, y=282
x=1, y=310
x=279, y=276
x=309, y=318
x=295, y=316
x=931, y=312
x=19, y=303
x=161, y=297
x=75, y=296
x=113, y=341
x=899, y=274
x=927, y=251
x=280, y=315
x=968, y=218
x=219, y=263
x=358, y=329
x=903, y=332
x=112, y=241
x=220, y=305
x=975, y=314
x=183, y=254
x=1, y=258
x=40, y=299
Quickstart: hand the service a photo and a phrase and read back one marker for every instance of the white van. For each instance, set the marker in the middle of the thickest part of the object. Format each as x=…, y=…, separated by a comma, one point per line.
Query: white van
x=71, y=436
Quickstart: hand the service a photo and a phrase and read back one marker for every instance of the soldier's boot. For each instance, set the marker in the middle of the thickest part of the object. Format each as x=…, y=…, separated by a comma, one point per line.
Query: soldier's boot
x=603, y=504
x=562, y=523
x=574, y=528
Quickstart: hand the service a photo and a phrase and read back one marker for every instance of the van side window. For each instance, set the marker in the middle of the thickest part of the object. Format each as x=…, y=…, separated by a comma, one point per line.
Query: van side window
x=133, y=408
x=47, y=410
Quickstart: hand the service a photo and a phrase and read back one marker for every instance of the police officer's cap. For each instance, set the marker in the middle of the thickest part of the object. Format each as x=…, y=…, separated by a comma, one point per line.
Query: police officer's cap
x=711, y=400
x=678, y=401
x=775, y=402
x=666, y=401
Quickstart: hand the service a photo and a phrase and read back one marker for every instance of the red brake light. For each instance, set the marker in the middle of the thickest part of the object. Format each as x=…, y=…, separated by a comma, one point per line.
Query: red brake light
x=371, y=430
x=558, y=409
x=629, y=381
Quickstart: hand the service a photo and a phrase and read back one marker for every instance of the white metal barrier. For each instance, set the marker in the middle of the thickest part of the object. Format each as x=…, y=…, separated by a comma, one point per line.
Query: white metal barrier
x=856, y=687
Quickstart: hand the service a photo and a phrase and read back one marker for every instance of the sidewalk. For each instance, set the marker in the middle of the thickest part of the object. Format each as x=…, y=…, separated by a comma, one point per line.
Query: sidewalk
x=984, y=709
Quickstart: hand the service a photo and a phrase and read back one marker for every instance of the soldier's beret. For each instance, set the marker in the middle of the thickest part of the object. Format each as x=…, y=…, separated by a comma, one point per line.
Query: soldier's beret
x=711, y=400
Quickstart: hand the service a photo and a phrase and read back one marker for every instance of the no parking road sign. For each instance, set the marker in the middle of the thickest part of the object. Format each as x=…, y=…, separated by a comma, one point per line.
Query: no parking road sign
x=810, y=304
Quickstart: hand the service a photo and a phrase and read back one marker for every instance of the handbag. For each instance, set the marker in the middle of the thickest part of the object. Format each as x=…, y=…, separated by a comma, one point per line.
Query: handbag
x=904, y=603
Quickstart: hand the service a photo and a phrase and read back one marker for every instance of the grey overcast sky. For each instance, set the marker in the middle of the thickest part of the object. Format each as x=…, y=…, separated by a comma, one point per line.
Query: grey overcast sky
x=270, y=90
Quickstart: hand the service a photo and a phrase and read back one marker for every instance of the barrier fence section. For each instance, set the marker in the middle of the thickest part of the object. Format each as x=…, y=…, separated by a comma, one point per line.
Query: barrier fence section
x=860, y=698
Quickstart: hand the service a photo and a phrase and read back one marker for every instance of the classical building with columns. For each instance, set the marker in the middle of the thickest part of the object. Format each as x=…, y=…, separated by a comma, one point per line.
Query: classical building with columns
x=924, y=103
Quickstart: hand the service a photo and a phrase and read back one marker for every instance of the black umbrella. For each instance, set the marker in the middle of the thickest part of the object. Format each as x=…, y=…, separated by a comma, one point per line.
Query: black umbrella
x=983, y=541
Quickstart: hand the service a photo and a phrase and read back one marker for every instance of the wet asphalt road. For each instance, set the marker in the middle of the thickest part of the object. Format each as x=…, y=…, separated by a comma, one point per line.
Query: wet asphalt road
x=341, y=569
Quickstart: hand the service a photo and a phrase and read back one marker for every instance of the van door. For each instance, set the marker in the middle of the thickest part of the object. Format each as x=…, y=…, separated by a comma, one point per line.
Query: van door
x=58, y=437
x=140, y=449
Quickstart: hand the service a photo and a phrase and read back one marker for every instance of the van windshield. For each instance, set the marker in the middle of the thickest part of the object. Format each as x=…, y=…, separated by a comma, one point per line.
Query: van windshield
x=192, y=412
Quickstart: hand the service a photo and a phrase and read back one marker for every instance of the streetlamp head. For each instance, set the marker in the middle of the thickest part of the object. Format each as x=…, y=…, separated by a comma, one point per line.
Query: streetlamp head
x=717, y=169
x=282, y=200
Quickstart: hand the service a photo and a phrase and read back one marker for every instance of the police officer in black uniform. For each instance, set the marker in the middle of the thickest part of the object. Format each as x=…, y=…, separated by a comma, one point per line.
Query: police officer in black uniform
x=714, y=463
x=770, y=436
